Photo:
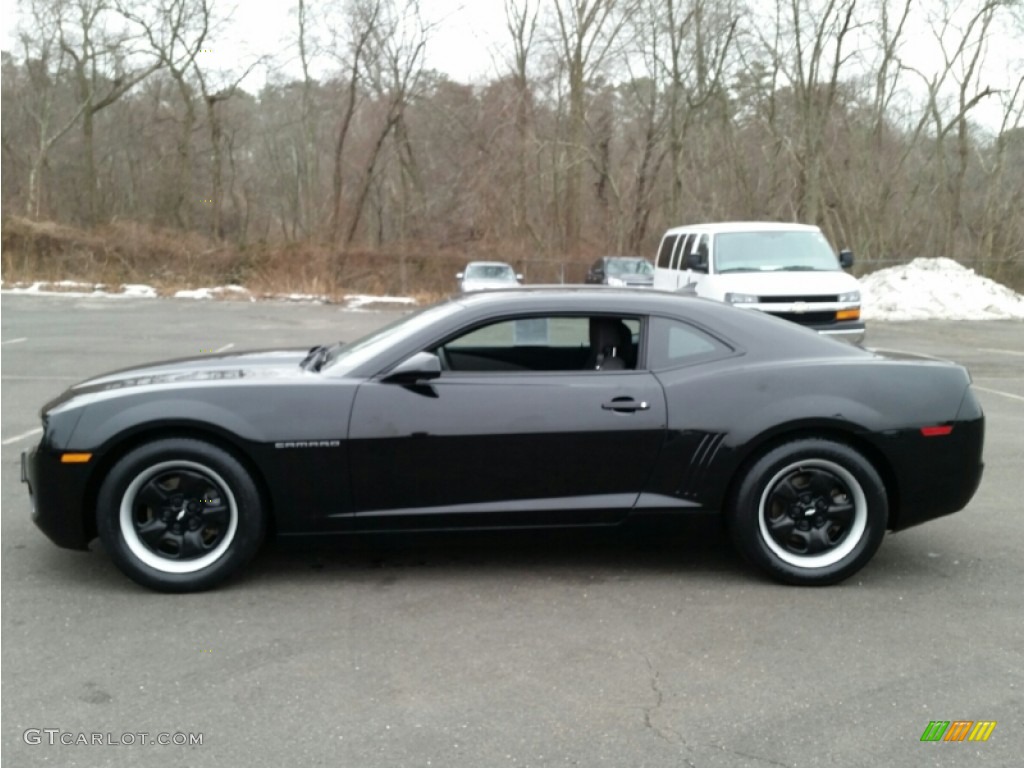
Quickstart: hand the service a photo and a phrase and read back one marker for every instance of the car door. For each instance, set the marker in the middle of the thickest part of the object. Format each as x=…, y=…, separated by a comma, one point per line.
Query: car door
x=514, y=433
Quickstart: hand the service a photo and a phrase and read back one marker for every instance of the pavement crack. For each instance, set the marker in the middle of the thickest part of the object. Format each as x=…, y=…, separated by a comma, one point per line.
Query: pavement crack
x=760, y=759
x=664, y=732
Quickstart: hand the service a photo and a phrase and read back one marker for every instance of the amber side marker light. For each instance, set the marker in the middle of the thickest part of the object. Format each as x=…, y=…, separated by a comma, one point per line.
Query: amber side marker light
x=75, y=458
x=936, y=431
x=848, y=314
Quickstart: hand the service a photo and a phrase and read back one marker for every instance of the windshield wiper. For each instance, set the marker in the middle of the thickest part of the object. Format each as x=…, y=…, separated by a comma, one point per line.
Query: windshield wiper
x=795, y=268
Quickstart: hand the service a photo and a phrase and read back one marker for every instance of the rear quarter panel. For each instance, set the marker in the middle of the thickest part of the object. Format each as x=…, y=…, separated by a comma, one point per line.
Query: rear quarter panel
x=723, y=413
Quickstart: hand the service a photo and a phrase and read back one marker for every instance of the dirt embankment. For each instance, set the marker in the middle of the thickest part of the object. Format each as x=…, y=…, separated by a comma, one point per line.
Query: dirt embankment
x=168, y=260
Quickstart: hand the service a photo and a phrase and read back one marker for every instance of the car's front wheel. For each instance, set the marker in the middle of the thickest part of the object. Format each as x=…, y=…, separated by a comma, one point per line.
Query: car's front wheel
x=179, y=515
x=809, y=512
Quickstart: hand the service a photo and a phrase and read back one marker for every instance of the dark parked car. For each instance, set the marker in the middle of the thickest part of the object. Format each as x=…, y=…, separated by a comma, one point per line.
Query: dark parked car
x=509, y=409
x=622, y=272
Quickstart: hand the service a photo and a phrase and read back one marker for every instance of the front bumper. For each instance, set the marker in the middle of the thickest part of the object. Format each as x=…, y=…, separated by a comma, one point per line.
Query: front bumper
x=818, y=316
x=848, y=330
x=57, y=493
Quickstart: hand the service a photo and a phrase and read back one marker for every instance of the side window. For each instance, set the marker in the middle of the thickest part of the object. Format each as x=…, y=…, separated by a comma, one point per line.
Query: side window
x=674, y=343
x=702, y=249
x=665, y=252
x=686, y=245
x=539, y=343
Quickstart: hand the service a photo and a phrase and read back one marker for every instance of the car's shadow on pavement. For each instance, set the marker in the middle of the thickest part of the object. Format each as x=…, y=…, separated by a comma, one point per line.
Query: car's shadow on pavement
x=698, y=547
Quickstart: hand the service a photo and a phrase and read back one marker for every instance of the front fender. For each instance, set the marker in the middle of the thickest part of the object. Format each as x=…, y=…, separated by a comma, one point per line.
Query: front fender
x=99, y=426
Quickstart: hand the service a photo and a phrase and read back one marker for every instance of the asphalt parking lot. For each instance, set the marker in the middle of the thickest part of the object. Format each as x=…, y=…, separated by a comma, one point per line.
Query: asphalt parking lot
x=526, y=650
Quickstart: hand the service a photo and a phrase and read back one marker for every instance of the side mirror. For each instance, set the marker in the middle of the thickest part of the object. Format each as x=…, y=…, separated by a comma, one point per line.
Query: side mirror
x=698, y=262
x=519, y=277
x=420, y=367
x=846, y=258
x=458, y=275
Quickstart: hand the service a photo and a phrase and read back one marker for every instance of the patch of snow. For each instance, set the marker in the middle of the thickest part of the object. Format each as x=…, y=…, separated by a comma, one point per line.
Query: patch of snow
x=212, y=293
x=936, y=289
x=307, y=297
x=198, y=293
x=98, y=290
x=358, y=302
x=139, y=291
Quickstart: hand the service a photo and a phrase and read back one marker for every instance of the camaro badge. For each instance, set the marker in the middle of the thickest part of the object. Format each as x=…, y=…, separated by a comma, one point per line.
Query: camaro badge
x=309, y=444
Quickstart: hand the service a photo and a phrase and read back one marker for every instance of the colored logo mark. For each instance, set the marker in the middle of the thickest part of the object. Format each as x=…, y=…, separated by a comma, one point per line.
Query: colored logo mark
x=958, y=730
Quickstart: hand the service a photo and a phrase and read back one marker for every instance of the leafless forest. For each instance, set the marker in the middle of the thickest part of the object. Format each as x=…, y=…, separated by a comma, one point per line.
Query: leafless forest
x=130, y=152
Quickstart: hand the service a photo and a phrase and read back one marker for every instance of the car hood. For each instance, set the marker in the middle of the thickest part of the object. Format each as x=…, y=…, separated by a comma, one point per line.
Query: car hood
x=790, y=283
x=275, y=363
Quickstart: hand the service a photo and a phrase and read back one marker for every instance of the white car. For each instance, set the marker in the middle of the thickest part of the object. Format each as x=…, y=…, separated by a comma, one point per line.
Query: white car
x=487, y=275
x=786, y=270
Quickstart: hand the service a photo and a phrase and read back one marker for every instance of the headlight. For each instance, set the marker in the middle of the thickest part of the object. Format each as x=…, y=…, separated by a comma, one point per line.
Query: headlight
x=617, y=282
x=741, y=298
x=853, y=297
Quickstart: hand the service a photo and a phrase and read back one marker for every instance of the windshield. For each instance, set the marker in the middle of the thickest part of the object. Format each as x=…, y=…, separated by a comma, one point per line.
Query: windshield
x=630, y=267
x=348, y=357
x=774, y=251
x=490, y=272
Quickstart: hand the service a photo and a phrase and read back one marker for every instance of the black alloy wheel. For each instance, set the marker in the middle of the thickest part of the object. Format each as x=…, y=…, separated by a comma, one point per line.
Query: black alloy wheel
x=179, y=515
x=809, y=512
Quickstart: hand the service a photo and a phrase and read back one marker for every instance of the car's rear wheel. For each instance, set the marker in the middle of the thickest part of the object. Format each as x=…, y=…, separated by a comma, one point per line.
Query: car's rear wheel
x=809, y=512
x=179, y=515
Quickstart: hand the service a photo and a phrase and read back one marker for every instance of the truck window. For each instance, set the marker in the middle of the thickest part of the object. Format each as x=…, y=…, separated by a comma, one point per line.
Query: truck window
x=665, y=253
x=677, y=262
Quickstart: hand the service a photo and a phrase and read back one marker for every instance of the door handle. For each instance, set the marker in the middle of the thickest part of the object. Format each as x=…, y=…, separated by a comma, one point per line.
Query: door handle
x=625, y=404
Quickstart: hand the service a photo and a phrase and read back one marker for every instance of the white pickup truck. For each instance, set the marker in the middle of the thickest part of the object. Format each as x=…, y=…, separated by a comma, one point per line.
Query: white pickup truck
x=787, y=270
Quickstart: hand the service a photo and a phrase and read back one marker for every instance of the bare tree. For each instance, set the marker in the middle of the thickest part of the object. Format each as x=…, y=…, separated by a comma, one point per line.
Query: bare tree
x=586, y=31
x=46, y=65
x=521, y=22
x=351, y=46
x=962, y=43
x=105, y=69
x=814, y=66
x=394, y=71
x=177, y=31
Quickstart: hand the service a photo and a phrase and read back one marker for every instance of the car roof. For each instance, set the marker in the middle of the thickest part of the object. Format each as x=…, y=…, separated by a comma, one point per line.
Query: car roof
x=488, y=264
x=719, y=227
x=758, y=332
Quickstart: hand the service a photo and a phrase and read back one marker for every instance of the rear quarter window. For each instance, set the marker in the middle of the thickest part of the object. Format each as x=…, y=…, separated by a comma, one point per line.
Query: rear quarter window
x=674, y=343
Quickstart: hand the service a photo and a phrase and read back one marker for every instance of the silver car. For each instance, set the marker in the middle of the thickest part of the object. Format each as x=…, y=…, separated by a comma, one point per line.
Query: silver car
x=487, y=275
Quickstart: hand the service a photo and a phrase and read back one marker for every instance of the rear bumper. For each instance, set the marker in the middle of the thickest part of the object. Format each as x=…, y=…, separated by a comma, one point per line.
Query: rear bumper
x=57, y=493
x=937, y=476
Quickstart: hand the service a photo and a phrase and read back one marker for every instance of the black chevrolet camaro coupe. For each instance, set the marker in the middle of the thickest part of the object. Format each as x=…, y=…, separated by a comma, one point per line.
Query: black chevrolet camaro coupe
x=507, y=409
